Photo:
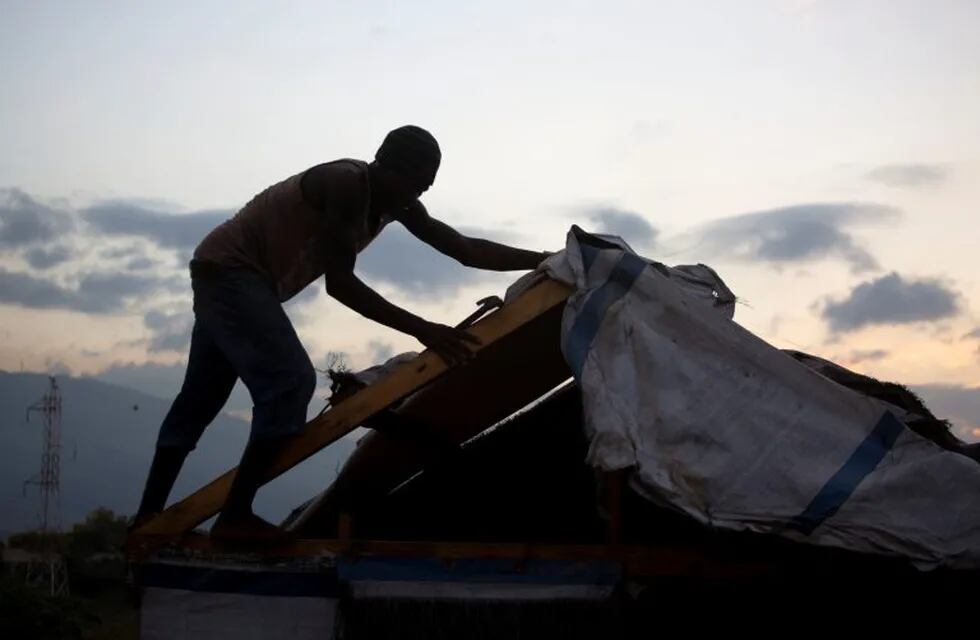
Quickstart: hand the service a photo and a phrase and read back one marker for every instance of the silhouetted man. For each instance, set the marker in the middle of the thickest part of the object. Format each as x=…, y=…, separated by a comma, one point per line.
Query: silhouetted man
x=312, y=224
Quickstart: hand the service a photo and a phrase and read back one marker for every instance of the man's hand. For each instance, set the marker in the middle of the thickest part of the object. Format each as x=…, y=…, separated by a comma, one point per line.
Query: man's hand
x=453, y=345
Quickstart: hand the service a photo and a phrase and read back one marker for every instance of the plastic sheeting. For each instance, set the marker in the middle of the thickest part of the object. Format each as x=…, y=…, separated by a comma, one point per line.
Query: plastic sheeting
x=726, y=428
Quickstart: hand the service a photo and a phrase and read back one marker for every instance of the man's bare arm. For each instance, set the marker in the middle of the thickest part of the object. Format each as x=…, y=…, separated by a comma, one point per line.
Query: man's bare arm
x=472, y=252
x=348, y=289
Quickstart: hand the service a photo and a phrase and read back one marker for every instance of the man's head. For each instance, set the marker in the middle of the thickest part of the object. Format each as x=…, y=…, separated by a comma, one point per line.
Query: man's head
x=409, y=158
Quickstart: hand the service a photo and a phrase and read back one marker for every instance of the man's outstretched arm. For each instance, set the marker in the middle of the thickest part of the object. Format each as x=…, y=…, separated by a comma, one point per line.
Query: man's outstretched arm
x=348, y=289
x=472, y=252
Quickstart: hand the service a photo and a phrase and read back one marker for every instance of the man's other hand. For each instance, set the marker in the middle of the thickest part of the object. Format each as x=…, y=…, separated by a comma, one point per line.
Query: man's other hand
x=454, y=345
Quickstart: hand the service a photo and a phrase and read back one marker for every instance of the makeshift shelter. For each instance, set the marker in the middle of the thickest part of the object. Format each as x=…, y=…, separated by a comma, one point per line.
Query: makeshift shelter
x=662, y=451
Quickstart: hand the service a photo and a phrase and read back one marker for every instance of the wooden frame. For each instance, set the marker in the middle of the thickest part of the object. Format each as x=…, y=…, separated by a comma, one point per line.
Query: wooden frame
x=345, y=417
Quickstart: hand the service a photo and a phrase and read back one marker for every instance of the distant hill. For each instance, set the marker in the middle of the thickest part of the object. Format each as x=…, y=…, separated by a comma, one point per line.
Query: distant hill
x=108, y=435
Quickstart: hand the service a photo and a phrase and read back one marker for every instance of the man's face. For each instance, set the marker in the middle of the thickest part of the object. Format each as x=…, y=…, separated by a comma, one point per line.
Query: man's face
x=403, y=190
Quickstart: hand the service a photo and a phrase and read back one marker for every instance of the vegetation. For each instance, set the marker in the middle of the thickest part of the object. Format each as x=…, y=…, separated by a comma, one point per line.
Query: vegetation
x=100, y=606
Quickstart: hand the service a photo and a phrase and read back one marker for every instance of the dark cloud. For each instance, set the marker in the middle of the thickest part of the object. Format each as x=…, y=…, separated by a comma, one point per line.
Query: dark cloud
x=170, y=230
x=630, y=226
x=117, y=286
x=141, y=263
x=891, y=299
x=909, y=175
x=25, y=221
x=170, y=331
x=45, y=258
x=399, y=259
x=796, y=233
x=867, y=355
x=96, y=292
x=27, y=291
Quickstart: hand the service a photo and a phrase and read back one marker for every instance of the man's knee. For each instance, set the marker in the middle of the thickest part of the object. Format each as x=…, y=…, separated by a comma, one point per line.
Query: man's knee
x=291, y=383
x=281, y=407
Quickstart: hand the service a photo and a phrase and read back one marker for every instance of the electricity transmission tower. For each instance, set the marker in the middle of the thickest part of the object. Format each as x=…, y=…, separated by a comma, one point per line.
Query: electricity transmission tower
x=48, y=570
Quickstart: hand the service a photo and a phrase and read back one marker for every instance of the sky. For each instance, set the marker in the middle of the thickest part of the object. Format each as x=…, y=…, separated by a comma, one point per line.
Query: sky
x=822, y=155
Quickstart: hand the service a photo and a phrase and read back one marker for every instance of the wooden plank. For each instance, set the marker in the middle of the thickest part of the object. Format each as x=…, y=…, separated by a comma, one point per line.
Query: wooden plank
x=347, y=415
x=637, y=560
x=518, y=369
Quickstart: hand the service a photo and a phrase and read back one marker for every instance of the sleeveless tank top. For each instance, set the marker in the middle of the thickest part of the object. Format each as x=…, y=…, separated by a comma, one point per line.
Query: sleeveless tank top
x=281, y=235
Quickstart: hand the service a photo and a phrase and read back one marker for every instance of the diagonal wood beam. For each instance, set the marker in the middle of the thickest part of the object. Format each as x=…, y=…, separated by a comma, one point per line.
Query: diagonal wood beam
x=345, y=417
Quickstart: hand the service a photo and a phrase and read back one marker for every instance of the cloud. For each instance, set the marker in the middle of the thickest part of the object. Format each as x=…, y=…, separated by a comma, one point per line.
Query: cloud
x=891, y=299
x=973, y=334
x=116, y=286
x=795, y=234
x=132, y=250
x=912, y=176
x=27, y=291
x=43, y=258
x=399, y=259
x=140, y=263
x=630, y=226
x=96, y=292
x=25, y=221
x=959, y=404
x=173, y=231
x=171, y=332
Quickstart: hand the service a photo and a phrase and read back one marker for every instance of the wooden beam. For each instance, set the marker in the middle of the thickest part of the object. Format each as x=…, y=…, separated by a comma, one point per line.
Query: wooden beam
x=346, y=416
x=459, y=405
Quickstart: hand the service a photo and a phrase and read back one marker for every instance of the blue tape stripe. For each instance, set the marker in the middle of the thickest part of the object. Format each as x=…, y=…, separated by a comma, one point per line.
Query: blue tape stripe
x=479, y=571
x=843, y=483
x=583, y=332
x=260, y=583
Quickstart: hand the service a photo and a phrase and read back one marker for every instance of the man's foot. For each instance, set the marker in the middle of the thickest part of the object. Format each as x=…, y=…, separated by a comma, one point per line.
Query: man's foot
x=248, y=528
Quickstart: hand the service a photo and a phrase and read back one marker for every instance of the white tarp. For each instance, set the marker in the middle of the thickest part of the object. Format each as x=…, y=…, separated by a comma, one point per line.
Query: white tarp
x=728, y=429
